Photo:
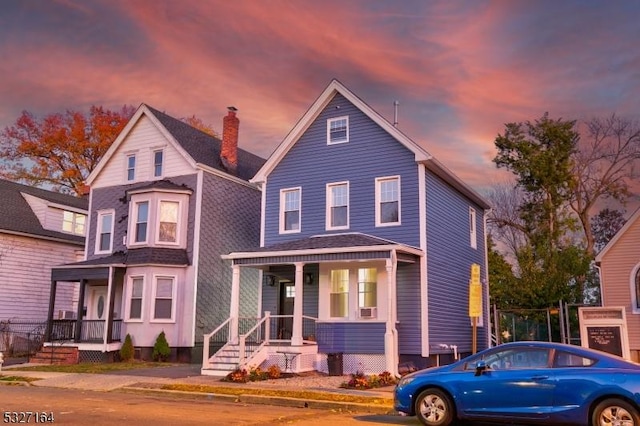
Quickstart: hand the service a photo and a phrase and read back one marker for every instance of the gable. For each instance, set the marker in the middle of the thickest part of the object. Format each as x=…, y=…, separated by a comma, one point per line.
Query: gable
x=142, y=140
x=632, y=226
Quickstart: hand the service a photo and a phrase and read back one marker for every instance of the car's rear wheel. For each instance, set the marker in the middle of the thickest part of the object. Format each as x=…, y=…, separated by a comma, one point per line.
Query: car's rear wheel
x=615, y=412
x=434, y=408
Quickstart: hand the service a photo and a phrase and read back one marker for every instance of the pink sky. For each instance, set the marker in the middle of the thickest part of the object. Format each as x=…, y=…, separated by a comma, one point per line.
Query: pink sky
x=460, y=70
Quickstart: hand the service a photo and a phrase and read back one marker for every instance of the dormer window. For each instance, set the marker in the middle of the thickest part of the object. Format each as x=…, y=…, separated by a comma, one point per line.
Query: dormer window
x=158, y=156
x=337, y=130
x=73, y=223
x=131, y=167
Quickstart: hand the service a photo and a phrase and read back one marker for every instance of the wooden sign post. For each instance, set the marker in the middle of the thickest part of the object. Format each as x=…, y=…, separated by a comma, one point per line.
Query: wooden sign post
x=475, y=304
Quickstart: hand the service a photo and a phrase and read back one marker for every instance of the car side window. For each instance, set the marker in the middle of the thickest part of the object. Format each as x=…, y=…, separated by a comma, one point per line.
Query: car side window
x=518, y=358
x=565, y=359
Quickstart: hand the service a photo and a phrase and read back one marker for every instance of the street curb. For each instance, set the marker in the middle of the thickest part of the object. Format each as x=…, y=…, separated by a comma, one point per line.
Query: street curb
x=267, y=400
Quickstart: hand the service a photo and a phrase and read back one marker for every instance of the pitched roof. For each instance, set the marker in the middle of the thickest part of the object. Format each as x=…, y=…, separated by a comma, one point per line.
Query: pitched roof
x=16, y=216
x=613, y=241
x=421, y=155
x=133, y=257
x=201, y=147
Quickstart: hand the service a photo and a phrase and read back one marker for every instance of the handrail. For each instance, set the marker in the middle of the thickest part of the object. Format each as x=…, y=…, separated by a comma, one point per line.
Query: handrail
x=207, y=340
x=259, y=343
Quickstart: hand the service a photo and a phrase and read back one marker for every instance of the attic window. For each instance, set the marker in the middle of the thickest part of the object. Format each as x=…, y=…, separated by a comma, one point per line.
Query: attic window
x=338, y=130
x=73, y=222
x=157, y=163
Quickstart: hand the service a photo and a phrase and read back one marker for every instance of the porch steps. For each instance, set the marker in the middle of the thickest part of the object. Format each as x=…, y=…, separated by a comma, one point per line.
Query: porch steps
x=58, y=355
x=223, y=362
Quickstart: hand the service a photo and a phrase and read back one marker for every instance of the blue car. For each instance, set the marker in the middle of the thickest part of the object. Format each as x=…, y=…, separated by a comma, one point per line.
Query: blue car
x=526, y=383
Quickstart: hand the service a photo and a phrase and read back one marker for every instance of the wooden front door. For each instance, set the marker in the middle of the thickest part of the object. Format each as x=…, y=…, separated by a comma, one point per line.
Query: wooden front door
x=285, y=307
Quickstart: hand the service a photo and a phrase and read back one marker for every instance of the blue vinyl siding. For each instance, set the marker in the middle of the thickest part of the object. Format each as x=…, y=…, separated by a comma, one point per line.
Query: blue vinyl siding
x=370, y=153
x=449, y=259
x=409, y=309
x=351, y=338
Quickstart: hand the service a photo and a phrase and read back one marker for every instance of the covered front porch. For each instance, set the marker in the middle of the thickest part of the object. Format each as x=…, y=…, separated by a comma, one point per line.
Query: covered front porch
x=319, y=296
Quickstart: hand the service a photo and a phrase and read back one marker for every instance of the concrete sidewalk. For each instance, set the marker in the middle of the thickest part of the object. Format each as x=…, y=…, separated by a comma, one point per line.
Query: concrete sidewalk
x=151, y=381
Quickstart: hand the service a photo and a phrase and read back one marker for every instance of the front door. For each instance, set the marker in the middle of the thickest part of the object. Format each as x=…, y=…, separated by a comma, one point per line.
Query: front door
x=285, y=308
x=98, y=305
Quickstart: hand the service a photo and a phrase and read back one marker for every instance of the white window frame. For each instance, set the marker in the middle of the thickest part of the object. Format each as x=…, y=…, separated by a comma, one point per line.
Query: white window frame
x=330, y=121
x=154, y=164
x=99, y=230
x=178, y=222
x=329, y=205
x=635, y=297
x=128, y=168
x=127, y=310
x=174, y=280
x=379, y=181
x=134, y=222
x=473, y=232
x=74, y=216
x=348, y=293
x=283, y=193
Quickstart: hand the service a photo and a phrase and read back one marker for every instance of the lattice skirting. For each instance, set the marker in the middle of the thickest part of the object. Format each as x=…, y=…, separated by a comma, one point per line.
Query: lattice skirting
x=96, y=356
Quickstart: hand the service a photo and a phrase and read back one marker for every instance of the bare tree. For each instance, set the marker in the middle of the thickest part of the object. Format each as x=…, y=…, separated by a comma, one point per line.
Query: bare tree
x=603, y=167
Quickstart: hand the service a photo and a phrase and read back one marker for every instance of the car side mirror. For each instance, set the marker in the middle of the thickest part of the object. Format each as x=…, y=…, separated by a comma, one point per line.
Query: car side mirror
x=480, y=367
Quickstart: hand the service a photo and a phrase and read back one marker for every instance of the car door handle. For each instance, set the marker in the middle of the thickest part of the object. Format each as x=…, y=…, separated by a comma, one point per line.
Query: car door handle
x=538, y=378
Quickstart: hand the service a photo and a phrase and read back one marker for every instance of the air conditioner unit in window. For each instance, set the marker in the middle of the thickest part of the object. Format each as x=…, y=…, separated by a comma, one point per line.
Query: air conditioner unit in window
x=367, y=313
x=66, y=314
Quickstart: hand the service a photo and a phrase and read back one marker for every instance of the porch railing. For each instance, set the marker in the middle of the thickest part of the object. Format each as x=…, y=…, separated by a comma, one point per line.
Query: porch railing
x=253, y=340
x=281, y=325
x=218, y=337
x=91, y=331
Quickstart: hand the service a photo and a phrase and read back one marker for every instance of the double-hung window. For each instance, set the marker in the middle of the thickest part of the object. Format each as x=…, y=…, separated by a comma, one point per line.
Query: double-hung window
x=473, y=235
x=131, y=167
x=339, y=296
x=367, y=288
x=158, y=156
x=135, y=298
x=104, y=235
x=142, y=221
x=164, y=295
x=337, y=130
x=388, y=201
x=168, y=226
x=338, y=205
x=73, y=222
x=290, y=211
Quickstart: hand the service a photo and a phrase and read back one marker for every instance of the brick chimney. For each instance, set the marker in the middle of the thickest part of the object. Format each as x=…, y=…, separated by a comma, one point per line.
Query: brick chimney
x=229, y=151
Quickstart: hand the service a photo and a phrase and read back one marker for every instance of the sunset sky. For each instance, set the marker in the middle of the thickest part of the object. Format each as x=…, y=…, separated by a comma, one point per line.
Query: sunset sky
x=460, y=69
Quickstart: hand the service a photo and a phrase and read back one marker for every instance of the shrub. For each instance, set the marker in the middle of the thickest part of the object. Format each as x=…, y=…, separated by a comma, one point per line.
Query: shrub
x=360, y=381
x=239, y=375
x=161, y=349
x=274, y=372
x=257, y=374
x=127, y=351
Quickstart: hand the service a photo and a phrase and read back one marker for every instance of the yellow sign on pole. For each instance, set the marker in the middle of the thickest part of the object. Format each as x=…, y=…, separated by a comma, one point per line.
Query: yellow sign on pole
x=475, y=292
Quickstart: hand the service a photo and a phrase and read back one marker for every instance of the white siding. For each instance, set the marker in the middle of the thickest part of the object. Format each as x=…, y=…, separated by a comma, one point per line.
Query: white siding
x=25, y=277
x=143, y=139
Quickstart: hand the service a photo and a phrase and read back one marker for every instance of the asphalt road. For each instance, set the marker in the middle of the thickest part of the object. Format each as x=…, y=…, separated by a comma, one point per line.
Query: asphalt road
x=75, y=407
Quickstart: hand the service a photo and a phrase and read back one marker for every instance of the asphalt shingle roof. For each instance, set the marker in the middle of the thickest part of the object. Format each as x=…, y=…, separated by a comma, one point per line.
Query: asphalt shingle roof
x=205, y=149
x=139, y=256
x=336, y=241
x=17, y=216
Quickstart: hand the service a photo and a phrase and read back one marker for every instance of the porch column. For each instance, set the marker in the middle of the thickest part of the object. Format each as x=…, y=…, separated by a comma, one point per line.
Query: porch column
x=78, y=334
x=296, y=330
x=391, y=334
x=52, y=303
x=107, y=318
x=234, y=304
x=110, y=306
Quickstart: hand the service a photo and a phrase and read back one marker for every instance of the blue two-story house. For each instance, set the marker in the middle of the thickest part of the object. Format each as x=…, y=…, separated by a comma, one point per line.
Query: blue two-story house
x=366, y=248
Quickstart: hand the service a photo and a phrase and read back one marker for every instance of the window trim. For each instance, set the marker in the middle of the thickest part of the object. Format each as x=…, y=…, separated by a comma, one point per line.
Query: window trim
x=157, y=223
x=134, y=222
x=329, y=205
x=333, y=120
x=378, y=183
x=283, y=191
x=127, y=309
x=473, y=225
x=154, y=165
x=130, y=170
x=99, y=230
x=635, y=296
x=152, y=313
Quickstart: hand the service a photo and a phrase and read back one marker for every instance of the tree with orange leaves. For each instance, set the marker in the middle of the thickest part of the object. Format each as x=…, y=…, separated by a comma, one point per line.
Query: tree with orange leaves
x=61, y=150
